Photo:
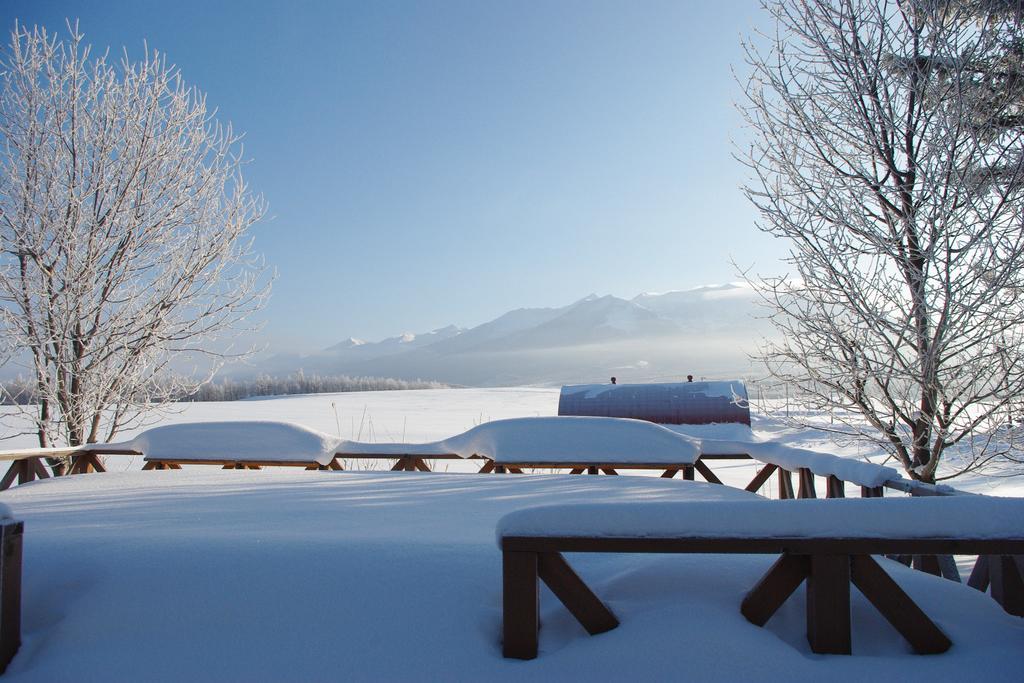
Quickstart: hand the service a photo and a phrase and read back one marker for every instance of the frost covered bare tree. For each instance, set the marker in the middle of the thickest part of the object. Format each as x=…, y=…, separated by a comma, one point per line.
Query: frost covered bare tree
x=124, y=240
x=887, y=149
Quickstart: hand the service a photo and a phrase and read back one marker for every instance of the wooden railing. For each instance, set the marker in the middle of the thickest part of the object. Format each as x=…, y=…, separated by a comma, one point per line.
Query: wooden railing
x=27, y=463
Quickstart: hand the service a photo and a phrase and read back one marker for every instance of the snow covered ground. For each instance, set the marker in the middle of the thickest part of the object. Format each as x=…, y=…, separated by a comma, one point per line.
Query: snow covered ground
x=204, y=574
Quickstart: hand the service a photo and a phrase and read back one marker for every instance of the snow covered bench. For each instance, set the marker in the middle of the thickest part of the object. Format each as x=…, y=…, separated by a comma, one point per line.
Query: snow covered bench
x=827, y=543
x=234, y=445
x=576, y=443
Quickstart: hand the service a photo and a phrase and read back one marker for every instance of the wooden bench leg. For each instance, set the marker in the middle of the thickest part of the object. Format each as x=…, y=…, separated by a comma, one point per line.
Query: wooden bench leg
x=487, y=468
x=668, y=474
x=896, y=606
x=688, y=472
x=575, y=594
x=520, y=608
x=609, y=470
x=774, y=588
x=1007, y=580
x=10, y=591
x=828, y=604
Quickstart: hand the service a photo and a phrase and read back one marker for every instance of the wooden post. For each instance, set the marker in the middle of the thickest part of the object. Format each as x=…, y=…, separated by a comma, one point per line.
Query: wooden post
x=806, y=484
x=836, y=488
x=688, y=472
x=11, y=533
x=520, y=604
x=1007, y=582
x=828, y=604
x=872, y=491
x=785, y=484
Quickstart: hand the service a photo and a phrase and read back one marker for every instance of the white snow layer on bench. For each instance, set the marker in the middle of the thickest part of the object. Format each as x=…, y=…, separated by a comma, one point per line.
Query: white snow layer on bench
x=553, y=440
x=970, y=517
x=822, y=464
x=575, y=440
x=5, y=512
x=241, y=440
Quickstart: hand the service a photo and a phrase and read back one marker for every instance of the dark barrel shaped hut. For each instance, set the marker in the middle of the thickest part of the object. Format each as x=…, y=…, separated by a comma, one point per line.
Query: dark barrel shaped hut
x=663, y=403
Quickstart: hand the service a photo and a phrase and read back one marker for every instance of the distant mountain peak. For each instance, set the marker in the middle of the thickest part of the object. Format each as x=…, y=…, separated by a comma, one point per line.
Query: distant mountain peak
x=711, y=328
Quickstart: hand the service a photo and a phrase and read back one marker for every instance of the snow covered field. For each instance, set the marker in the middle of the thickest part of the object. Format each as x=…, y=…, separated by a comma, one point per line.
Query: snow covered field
x=203, y=574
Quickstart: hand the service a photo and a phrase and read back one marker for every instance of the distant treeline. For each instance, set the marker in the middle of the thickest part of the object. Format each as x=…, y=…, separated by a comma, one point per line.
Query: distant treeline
x=299, y=383
x=23, y=392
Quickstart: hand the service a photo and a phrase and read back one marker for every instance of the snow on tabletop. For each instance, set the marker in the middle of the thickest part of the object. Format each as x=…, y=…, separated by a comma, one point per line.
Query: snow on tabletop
x=975, y=517
x=731, y=431
x=575, y=439
x=5, y=512
x=237, y=440
x=551, y=439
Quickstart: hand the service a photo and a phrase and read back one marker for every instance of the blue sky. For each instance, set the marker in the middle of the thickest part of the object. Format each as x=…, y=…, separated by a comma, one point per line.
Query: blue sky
x=429, y=163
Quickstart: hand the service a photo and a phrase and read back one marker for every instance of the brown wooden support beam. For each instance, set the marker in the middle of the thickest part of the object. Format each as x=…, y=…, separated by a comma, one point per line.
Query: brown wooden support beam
x=897, y=607
x=806, y=484
x=785, y=484
x=706, y=472
x=835, y=487
x=828, y=604
x=11, y=475
x=520, y=606
x=929, y=564
x=979, y=574
x=760, y=478
x=575, y=594
x=11, y=535
x=1007, y=581
x=774, y=588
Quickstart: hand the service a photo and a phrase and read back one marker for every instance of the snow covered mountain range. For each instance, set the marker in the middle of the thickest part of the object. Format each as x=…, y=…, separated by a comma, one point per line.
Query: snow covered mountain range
x=707, y=331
